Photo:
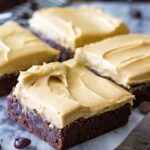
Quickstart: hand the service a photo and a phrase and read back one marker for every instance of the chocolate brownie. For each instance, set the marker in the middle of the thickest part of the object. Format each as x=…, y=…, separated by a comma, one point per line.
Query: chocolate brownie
x=7, y=81
x=141, y=92
x=77, y=132
x=123, y=59
x=71, y=28
x=61, y=114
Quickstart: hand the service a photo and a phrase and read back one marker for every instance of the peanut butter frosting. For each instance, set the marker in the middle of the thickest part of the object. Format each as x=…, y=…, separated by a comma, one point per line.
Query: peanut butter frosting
x=20, y=49
x=75, y=27
x=65, y=92
x=124, y=58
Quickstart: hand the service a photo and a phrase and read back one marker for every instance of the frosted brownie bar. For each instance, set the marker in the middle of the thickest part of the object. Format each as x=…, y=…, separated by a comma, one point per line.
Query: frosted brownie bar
x=66, y=104
x=19, y=50
x=68, y=28
x=125, y=59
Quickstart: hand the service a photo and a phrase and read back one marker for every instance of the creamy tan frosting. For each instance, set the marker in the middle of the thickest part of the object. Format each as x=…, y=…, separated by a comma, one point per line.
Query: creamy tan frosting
x=75, y=27
x=20, y=49
x=124, y=58
x=64, y=92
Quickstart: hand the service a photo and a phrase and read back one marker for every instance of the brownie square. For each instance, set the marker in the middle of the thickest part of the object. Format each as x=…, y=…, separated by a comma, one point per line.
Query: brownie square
x=66, y=104
x=122, y=59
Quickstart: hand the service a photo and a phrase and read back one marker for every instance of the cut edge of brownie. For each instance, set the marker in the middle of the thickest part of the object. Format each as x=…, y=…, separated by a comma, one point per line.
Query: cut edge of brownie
x=141, y=92
x=65, y=53
x=77, y=132
x=7, y=82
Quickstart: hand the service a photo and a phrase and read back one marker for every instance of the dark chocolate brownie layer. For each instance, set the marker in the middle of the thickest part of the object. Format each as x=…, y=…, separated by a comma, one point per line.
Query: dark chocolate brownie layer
x=77, y=132
x=65, y=54
x=7, y=82
x=141, y=92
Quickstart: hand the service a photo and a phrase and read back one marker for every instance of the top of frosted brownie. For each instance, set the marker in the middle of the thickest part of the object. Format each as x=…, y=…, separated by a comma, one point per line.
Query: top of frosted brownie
x=124, y=58
x=20, y=49
x=69, y=92
x=75, y=27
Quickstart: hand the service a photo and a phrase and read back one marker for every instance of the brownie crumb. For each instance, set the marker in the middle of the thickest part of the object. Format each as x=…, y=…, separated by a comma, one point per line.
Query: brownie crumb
x=136, y=14
x=144, y=107
x=21, y=142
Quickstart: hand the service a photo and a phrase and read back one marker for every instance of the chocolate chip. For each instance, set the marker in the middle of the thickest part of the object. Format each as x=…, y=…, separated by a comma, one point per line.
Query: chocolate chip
x=33, y=5
x=136, y=14
x=144, y=107
x=25, y=15
x=21, y=142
